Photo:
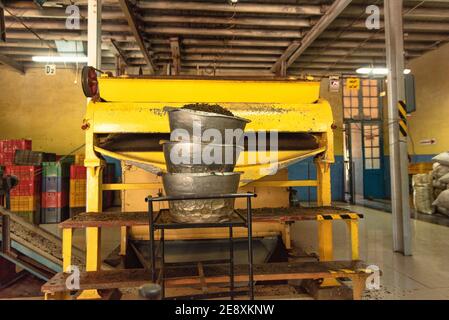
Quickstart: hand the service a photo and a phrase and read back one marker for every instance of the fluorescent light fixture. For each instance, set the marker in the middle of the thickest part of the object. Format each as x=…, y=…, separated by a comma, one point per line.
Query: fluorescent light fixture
x=61, y=59
x=377, y=71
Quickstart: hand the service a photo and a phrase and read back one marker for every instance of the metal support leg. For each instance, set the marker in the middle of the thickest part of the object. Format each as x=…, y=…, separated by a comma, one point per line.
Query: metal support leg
x=162, y=239
x=250, y=248
x=231, y=263
x=123, y=240
x=93, y=235
x=353, y=228
x=325, y=240
x=324, y=183
x=6, y=240
x=325, y=248
x=151, y=230
x=286, y=235
x=67, y=234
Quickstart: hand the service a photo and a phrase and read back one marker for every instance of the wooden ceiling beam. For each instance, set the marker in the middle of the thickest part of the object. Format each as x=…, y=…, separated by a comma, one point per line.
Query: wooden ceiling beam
x=294, y=51
x=128, y=11
x=12, y=64
x=263, y=8
x=175, y=55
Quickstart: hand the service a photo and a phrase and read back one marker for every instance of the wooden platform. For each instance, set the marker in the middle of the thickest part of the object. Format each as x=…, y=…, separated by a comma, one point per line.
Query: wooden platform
x=131, y=219
x=218, y=274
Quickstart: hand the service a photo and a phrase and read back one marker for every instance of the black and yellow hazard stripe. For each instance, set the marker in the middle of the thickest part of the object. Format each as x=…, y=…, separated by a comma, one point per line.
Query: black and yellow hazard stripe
x=403, y=125
x=347, y=216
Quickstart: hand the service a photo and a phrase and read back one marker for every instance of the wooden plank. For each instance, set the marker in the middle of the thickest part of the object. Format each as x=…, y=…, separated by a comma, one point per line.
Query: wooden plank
x=213, y=274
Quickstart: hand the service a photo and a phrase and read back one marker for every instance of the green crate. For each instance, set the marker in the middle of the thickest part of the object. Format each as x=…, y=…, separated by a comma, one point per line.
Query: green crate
x=56, y=169
x=29, y=216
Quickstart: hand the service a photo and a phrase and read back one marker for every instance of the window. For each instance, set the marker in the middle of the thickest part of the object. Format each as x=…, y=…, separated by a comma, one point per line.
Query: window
x=351, y=103
x=371, y=139
x=363, y=104
x=370, y=96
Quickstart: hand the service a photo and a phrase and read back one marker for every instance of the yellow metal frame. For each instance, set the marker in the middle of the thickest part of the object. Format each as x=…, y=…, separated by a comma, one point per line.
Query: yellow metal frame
x=136, y=106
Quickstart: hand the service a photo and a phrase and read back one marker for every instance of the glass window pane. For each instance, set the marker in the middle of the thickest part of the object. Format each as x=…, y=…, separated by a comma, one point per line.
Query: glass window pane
x=366, y=102
x=374, y=91
x=375, y=102
x=368, y=164
x=368, y=153
x=347, y=102
x=366, y=91
x=374, y=83
x=355, y=112
x=354, y=102
x=376, y=152
x=374, y=113
x=376, y=164
x=347, y=113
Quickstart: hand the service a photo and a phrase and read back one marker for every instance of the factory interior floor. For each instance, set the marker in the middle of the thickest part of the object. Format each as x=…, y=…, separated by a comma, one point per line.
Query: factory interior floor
x=422, y=276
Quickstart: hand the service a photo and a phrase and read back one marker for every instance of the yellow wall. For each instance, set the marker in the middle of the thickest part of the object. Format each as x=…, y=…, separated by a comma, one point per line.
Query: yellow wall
x=336, y=101
x=46, y=109
x=431, y=120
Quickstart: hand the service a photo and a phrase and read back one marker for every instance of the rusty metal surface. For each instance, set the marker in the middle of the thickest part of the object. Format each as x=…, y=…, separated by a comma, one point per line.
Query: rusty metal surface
x=117, y=219
x=131, y=278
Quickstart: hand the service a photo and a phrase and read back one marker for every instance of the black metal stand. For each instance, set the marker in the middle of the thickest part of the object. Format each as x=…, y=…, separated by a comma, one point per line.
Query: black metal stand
x=236, y=221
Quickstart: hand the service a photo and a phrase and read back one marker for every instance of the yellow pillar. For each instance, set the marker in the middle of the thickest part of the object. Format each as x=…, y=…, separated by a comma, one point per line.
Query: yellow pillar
x=324, y=199
x=353, y=228
x=123, y=240
x=324, y=195
x=93, y=235
x=94, y=169
x=325, y=246
x=325, y=240
x=66, y=248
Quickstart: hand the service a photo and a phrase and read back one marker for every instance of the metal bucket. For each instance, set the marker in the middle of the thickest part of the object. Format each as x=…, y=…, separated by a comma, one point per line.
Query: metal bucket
x=189, y=157
x=197, y=211
x=184, y=119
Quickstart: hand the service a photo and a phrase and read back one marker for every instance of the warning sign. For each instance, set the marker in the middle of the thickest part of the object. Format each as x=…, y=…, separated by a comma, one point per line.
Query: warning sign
x=334, y=84
x=353, y=83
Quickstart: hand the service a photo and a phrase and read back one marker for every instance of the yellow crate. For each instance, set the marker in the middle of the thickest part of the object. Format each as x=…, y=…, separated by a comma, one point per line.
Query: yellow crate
x=77, y=186
x=79, y=159
x=25, y=203
x=77, y=199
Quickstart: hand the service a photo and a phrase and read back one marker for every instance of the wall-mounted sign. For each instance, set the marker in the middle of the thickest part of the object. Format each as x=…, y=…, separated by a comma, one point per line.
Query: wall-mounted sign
x=50, y=69
x=428, y=142
x=353, y=83
x=334, y=84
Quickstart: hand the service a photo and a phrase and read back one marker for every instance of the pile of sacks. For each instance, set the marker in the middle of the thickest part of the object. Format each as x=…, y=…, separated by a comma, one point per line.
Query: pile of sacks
x=431, y=191
x=440, y=183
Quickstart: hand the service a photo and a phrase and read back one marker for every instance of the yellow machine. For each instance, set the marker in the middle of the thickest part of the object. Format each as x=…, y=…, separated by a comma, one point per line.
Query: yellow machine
x=134, y=108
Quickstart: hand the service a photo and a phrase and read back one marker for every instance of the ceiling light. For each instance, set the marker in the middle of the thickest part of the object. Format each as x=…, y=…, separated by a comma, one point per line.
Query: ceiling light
x=61, y=59
x=377, y=71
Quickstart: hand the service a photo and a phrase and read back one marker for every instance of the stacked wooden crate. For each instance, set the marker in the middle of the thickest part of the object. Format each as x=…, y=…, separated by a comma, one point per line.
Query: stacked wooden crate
x=77, y=201
x=25, y=197
x=55, y=191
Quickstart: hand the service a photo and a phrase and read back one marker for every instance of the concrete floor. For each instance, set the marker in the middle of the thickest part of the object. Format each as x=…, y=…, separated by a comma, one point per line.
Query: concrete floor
x=425, y=275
